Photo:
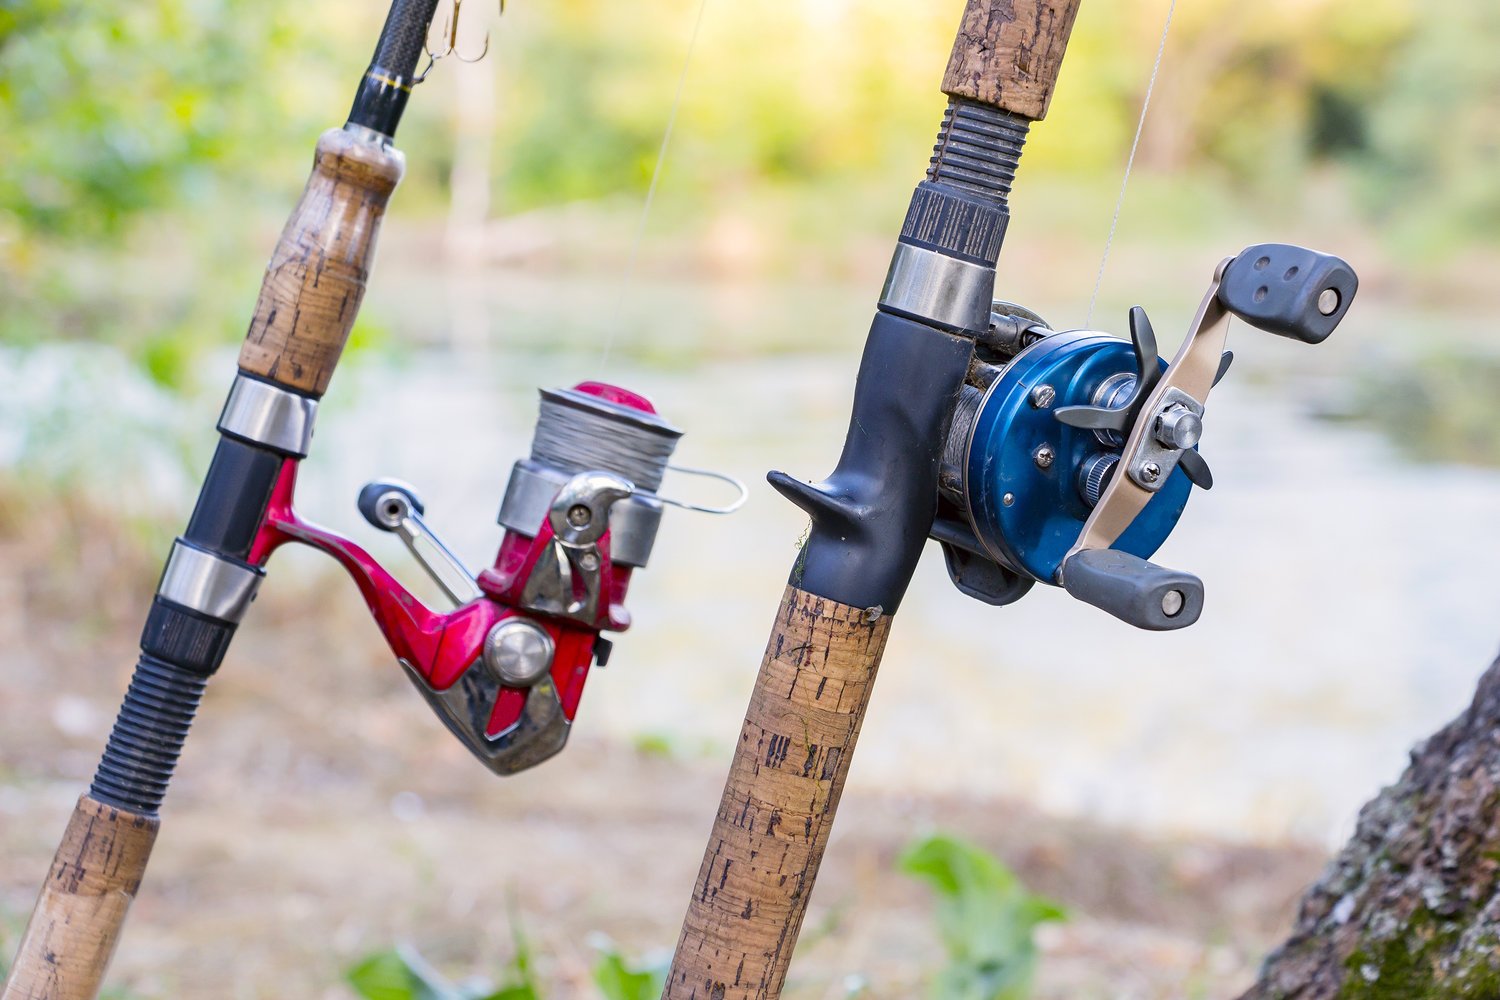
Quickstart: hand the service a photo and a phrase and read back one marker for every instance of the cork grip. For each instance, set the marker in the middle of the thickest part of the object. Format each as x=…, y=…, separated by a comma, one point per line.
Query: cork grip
x=317, y=273
x=777, y=811
x=73, y=930
x=1008, y=53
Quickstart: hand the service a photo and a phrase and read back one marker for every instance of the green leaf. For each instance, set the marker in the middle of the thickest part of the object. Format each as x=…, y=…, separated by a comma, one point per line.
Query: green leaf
x=987, y=920
x=621, y=978
x=521, y=991
x=403, y=974
x=382, y=977
x=618, y=979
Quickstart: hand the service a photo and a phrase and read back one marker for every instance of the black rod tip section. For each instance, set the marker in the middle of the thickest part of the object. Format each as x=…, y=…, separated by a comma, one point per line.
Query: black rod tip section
x=387, y=84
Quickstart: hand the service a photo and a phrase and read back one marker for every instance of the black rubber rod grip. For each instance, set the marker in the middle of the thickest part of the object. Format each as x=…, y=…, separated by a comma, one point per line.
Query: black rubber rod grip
x=1135, y=591
x=1288, y=290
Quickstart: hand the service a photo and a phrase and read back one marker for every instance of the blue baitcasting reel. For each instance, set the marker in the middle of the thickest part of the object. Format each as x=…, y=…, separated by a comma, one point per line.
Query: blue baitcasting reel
x=1072, y=454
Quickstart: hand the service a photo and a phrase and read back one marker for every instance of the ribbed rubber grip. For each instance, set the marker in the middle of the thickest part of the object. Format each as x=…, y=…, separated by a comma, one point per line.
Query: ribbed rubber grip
x=978, y=148
x=148, y=736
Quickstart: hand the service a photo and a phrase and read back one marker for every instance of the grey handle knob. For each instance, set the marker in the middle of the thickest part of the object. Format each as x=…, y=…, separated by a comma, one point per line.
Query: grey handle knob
x=1289, y=291
x=391, y=505
x=385, y=503
x=1135, y=591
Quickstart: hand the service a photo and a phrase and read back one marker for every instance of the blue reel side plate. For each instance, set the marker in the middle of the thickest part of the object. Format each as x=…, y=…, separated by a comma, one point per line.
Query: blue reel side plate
x=1046, y=514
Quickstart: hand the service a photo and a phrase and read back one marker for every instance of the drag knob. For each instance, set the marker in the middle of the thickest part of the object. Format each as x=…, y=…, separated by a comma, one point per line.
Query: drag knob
x=518, y=653
x=1094, y=475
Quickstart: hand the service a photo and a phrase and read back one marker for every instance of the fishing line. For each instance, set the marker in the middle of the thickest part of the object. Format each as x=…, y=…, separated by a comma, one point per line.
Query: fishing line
x=568, y=436
x=579, y=433
x=1140, y=127
x=632, y=258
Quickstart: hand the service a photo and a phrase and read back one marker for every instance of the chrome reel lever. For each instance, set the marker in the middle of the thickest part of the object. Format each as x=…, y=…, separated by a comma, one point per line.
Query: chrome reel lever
x=1286, y=290
x=1168, y=424
x=394, y=506
x=568, y=578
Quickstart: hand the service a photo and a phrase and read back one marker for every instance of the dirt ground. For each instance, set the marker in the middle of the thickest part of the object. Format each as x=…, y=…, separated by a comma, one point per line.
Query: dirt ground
x=321, y=813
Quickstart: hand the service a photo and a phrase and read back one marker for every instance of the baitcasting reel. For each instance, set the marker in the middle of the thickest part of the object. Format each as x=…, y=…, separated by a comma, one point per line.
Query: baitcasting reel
x=505, y=669
x=1072, y=454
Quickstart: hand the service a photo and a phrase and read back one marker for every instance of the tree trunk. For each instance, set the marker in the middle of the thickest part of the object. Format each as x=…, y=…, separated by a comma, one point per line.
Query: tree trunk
x=1411, y=907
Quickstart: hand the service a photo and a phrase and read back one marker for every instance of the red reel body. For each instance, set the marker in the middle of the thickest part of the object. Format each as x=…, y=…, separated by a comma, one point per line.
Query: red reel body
x=505, y=669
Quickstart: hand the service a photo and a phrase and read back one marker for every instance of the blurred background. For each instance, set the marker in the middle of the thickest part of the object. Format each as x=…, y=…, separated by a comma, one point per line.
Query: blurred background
x=1173, y=793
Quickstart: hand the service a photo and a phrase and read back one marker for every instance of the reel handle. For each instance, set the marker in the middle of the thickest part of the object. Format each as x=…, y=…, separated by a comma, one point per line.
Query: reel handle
x=387, y=516
x=1288, y=290
x=391, y=505
x=1135, y=591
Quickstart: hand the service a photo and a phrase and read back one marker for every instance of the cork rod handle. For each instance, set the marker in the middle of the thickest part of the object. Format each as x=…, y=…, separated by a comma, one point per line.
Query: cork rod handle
x=316, y=278
x=76, y=924
x=777, y=811
x=1009, y=52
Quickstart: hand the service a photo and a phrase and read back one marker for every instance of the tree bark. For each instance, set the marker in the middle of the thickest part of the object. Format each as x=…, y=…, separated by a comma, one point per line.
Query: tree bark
x=1411, y=907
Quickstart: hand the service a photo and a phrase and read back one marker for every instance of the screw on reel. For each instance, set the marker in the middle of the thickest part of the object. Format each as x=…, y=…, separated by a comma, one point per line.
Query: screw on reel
x=1072, y=454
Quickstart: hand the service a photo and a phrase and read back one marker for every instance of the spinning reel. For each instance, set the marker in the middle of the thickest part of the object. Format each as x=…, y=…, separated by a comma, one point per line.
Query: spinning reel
x=505, y=668
x=1072, y=454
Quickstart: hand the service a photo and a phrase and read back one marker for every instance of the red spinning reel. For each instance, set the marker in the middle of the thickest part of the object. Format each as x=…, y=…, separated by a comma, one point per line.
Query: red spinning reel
x=506, y=668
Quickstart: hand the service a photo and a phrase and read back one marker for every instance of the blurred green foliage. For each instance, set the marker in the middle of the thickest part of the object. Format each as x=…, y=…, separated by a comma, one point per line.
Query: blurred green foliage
x=125, y=132
x=403, y=974
x=621, y=978
x=1440, y=407
x=108, y=115
x=986, y=918
x=150, y=151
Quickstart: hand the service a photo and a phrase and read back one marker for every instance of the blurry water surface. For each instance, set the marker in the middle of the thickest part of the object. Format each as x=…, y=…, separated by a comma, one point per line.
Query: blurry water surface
x=1351, y=602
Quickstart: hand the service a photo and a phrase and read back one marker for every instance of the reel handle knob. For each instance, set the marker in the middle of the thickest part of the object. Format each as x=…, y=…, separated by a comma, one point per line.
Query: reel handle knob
x=1135, y=591
x=385, y=503
x=1288, y=290
x=391, y=505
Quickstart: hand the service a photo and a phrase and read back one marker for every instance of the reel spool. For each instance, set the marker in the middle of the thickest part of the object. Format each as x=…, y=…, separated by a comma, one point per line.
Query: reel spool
x=593, y=426
x=1072, y=455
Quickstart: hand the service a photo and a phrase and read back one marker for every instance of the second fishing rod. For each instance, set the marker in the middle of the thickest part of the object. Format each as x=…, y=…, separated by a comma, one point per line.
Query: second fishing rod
x=1031, y=455
x=503, y=668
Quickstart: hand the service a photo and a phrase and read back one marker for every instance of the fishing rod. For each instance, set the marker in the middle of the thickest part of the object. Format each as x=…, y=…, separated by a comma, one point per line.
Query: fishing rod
x=503, y=668
x=307, y=305
x=1030, y=455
